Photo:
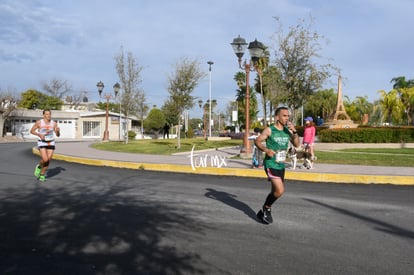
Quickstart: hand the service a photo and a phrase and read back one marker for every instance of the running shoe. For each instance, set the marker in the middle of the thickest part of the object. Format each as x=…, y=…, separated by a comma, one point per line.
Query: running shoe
x=37, y=171
x=42, y=178
x=265, y=215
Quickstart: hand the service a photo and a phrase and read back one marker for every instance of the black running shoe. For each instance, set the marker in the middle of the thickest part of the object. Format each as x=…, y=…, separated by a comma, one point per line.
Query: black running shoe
x=267, y=215
x=259, y=215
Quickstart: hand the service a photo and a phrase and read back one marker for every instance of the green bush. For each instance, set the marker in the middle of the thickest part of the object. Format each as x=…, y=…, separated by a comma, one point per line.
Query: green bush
x=131, y=135
x=190, y=132
x=368, y=135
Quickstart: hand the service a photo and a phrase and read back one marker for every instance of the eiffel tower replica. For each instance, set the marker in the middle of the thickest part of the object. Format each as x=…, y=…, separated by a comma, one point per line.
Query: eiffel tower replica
x=340, y=118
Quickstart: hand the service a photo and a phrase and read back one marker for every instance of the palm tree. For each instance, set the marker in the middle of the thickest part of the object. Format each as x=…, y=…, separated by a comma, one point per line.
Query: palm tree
x=406, y=94
x=362, y=106
x=240, y=78
x=401, y=82
x=391, y=105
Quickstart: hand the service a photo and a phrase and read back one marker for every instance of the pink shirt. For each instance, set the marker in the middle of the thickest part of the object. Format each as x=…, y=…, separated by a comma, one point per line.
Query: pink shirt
x=309, y=134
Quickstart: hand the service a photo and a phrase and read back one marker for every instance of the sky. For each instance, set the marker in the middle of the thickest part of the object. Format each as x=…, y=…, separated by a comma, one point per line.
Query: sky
x=370, y=41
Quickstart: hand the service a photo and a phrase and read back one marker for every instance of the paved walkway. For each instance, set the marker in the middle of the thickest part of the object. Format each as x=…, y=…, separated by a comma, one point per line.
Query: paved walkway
x=221, y=162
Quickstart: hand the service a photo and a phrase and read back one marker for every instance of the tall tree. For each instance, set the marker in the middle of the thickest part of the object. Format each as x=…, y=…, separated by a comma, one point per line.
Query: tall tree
x=181, y=84
x=129, y=73
x=391, y=106
x=301, y=74
x=32, y=99
x=406, y=92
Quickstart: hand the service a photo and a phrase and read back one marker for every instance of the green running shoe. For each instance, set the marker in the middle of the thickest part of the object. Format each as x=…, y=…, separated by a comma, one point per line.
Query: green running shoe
x=42, y=178
x=37, y=171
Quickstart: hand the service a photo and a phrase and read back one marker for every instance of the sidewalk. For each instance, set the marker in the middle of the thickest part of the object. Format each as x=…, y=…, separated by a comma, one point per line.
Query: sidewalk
x=220, y=162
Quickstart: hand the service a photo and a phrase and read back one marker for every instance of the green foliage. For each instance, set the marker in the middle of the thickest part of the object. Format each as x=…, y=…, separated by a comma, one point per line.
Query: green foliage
x=155, y=120
x=170, y=112
x=321, y=103
x=182, y=83
x=190, y=133
x=32, y=99
x=131, y=135
x=241, y=99
x=368, y=135
x=112, y=107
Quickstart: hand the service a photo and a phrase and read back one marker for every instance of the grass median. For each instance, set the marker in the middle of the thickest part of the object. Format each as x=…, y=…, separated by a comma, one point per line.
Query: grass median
x=402, y=157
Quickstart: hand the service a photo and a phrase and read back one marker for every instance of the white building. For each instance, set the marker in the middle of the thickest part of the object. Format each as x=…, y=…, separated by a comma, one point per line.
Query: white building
x=74, y=124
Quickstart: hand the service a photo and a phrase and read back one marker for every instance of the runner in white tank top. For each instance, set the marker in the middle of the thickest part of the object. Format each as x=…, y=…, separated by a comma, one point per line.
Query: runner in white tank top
x=46, y=130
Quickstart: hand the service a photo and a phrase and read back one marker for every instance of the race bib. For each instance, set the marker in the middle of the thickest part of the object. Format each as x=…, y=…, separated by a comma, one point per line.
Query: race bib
x=49, y=136
x=280, y=156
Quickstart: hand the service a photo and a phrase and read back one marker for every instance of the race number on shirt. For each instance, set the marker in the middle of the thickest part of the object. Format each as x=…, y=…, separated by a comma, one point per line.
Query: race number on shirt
x=280, y=156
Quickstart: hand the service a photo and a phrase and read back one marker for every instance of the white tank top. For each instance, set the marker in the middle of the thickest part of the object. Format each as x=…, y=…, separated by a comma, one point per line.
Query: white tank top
x=48, y=130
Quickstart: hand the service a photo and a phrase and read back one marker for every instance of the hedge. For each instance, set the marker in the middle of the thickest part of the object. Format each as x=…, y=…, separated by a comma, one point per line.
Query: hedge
x=367, y=135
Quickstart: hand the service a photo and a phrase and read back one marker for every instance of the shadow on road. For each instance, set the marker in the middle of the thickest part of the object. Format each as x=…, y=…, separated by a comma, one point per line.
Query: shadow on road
x=55, y=171
x=84, y=230
x=382, y=226
x=230, y=200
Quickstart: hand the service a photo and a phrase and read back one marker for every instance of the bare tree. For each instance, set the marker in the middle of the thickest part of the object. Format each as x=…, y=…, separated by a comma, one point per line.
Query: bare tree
x=57, y=88
x=129, y=73
x=181, y=83
x=7, y=106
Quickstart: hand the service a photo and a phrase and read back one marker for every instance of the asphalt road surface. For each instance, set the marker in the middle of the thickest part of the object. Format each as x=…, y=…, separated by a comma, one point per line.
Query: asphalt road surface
x=95, y=220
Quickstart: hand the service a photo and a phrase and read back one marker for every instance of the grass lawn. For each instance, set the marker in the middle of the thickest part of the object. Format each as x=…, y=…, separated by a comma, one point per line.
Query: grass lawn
x=403, y=157
x=165, y=146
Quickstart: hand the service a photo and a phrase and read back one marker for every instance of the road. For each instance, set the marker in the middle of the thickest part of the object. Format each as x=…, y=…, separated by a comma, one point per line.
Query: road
x=95, y=220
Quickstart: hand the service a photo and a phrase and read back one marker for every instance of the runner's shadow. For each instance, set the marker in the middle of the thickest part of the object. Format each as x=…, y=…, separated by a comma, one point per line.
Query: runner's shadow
x=55, y=171
x=230, y=200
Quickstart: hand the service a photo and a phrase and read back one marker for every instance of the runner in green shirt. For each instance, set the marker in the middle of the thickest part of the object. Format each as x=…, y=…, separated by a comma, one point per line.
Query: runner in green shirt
x=277, y=139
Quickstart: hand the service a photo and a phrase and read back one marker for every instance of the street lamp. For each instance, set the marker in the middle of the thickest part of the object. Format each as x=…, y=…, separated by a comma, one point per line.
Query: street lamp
x=208, y=104
x=256, y=50
x=100, y=87
x=200, y=104
x=209, y=96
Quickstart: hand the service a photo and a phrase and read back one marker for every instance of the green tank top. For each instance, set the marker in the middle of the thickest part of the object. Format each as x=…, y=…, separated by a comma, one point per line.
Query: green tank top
x=278, y=142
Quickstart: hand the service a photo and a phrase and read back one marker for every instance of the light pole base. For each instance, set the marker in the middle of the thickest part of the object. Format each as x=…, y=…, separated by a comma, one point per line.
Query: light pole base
x=245, y=155
x=106, y=136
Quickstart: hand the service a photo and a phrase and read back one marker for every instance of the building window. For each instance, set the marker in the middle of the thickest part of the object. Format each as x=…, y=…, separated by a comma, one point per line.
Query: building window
x=91, y=128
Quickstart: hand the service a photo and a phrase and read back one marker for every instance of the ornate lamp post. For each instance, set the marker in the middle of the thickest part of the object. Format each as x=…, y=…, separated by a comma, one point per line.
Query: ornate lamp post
x=209, y=96
x=100, y=87
x=256, y=50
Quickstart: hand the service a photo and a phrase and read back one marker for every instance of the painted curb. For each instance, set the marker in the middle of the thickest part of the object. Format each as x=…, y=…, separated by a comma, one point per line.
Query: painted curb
x=240, y=172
